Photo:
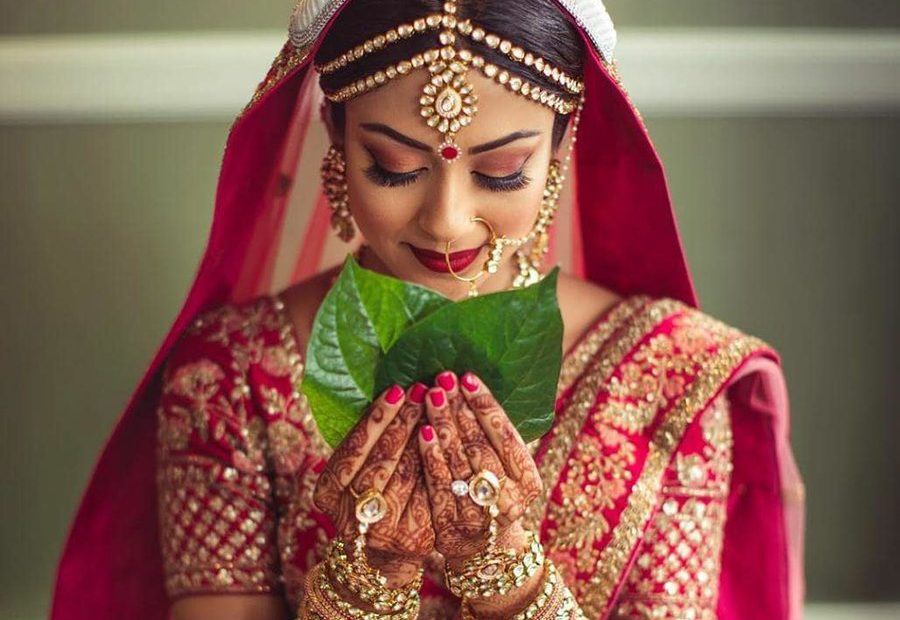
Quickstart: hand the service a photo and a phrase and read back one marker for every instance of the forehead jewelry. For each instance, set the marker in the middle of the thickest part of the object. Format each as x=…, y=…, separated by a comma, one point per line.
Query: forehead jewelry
x=447, y=101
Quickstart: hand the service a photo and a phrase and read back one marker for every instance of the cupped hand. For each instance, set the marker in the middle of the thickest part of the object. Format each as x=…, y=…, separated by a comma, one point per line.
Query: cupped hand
x=381, y=453
x=470, y=432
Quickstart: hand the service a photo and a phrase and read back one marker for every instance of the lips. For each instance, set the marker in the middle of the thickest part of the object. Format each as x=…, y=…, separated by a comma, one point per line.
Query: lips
x=435, y=261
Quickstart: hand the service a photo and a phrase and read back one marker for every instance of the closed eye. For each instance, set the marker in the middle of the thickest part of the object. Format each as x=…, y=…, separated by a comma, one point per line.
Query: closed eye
x=385, y=178
x=509, y=183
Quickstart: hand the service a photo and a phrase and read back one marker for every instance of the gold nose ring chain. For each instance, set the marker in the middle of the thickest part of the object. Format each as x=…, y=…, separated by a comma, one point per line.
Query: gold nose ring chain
x=496, y=244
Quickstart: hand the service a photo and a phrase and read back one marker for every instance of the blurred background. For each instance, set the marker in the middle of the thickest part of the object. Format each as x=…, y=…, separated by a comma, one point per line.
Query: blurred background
x=779, y=124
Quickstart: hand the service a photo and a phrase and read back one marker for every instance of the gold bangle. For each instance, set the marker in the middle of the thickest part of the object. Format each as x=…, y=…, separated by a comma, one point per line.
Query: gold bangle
x=554, y=601
x=496, y=571
x=321, y=600
x=368, y=583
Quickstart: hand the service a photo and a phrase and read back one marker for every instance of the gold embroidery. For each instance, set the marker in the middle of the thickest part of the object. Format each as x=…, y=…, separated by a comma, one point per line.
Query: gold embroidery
x=286, y=61
x=572, y=418
x=218, y=535
x=300, y=407
x=217, y=520
x=586, y=349
x=715, y=370
x=677, y=568
x=596, y=477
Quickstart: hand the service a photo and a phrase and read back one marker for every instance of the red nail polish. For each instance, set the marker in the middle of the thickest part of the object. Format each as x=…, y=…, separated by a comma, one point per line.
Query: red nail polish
x=437, y=397
x=417, y=393
x=446, y=380
x=427, y=433
x=468, y=381
x=394, y=394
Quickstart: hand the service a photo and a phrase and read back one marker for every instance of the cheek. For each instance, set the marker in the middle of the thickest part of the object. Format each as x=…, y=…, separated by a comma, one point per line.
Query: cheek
x=514, y=214
x=379, y=212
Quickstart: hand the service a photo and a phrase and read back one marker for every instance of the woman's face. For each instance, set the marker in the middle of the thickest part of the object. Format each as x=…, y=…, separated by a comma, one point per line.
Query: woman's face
x=408, y=202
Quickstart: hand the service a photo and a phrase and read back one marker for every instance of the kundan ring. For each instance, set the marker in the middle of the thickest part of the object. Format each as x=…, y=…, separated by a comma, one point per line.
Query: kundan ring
x=484, y=488
x=371, y=507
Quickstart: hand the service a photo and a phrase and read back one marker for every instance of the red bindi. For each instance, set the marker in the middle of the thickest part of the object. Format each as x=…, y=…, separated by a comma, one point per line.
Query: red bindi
x=449, y=152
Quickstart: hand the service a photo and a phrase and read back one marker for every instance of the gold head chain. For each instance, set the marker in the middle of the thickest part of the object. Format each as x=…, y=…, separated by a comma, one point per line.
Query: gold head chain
x=447, y=101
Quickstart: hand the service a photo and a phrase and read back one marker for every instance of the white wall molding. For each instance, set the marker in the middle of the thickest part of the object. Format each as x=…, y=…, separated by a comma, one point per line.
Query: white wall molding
x=209, y=76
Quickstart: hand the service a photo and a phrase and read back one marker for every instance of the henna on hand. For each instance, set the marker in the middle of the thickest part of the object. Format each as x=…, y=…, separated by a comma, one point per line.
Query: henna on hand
x=380, y=454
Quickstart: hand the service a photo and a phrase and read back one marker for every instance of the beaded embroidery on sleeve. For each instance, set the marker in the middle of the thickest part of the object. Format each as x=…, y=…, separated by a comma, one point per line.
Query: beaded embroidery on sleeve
x=237, y=455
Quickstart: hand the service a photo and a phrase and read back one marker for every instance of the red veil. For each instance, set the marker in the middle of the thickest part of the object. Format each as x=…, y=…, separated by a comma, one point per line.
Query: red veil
x=270, y=229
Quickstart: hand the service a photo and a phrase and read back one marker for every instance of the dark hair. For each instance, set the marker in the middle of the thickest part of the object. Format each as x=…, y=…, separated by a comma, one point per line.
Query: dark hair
x=538, y=26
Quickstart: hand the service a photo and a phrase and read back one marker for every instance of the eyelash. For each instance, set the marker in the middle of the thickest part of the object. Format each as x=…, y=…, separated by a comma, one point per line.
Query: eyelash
x=510, y=183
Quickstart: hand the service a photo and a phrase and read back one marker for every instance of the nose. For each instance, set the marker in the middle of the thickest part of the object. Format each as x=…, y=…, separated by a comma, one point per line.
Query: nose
x=445, y=215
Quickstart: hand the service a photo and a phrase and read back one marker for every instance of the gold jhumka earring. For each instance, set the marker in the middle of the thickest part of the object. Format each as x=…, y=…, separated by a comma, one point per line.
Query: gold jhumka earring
x=334, y=186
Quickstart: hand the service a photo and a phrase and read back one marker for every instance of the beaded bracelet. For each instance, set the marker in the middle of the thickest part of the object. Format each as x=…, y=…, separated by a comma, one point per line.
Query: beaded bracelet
x=496, y=571
x=322, y=601
x=366, y=582
x=554, y=601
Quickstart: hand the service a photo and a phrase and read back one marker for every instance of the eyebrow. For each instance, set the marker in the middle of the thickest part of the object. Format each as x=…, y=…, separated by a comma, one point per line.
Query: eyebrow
x=496, y=144
x=395, y=135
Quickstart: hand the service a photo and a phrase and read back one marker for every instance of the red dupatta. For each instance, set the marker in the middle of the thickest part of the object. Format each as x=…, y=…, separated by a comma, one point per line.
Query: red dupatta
x=270, y=229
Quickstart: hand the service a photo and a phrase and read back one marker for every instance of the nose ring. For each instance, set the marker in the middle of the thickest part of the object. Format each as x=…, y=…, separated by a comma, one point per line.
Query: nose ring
x=490, y=266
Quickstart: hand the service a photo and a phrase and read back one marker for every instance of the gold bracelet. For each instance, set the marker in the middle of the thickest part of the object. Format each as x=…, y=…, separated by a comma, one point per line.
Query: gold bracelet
x=322, y=601
x=496, y=571
x=554, y=601
x=368, y=583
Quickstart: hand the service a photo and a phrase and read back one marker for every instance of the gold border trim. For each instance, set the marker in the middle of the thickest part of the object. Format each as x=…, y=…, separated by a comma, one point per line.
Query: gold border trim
x=288, y=338
x=597, y=336
x=572, y=417
x=286, y=61
x=634, y=518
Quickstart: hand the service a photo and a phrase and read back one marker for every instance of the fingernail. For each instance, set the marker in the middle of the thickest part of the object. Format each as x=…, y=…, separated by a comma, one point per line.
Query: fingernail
x=394, y=394
x=427, y=432
x=437, y=397
x=446, y=380
x=468, y=381
x=417, y=393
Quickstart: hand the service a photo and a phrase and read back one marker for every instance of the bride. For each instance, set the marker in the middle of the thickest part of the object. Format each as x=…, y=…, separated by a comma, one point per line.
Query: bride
x=468, y=147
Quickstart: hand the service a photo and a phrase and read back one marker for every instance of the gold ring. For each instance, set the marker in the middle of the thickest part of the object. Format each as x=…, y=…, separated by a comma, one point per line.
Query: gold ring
x=492, y=241
x=371, y=507
x=484, y=488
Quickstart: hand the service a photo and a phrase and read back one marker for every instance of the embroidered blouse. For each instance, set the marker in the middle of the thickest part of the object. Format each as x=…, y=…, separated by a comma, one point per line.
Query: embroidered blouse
x=631, y=521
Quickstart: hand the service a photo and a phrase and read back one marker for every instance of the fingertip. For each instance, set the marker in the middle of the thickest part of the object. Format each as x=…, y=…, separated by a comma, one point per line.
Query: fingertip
x=446, y=380
x=427, y=433
x=417, y=393
x=394, y=394
x=437, y=397
x=470, y=383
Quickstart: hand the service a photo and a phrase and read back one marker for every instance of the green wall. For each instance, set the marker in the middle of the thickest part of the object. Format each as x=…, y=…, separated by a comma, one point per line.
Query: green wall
x=52, y=16
x=791, y=226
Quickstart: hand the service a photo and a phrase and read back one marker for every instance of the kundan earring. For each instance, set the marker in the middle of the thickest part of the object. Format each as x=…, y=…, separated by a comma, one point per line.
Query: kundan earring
x=334, y=184
x=529, y=262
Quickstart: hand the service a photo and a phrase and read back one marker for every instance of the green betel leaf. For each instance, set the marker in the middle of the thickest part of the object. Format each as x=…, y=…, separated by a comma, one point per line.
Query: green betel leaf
x=512, y=340
x=360, y=318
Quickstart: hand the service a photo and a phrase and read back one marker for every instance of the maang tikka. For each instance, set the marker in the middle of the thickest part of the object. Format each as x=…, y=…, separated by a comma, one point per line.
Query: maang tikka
x=447, y=101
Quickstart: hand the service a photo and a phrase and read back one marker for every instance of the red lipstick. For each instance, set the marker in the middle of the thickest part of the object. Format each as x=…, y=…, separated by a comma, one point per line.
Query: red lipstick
x=435, y=261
